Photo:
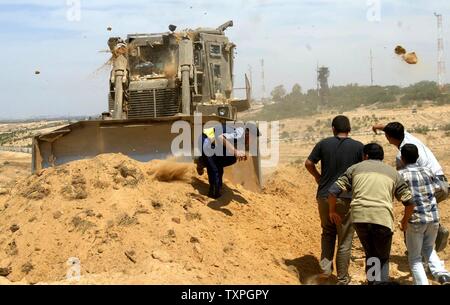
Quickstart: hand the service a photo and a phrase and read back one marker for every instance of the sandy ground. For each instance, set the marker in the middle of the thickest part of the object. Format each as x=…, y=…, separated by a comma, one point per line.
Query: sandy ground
x=125, y=225
x=13, y=166
x=116, y=217
x=301, y=134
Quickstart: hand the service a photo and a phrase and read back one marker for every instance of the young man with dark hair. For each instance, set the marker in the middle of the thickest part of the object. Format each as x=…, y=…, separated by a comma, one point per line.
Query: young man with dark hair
x=423, y=225
x=341, y=124
x=374, y=185
x=336, y=155
x=396, y=135
x=394, y=131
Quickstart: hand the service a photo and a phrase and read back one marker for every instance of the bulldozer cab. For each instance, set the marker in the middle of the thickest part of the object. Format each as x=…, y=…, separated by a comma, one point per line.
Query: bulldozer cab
x=154, y=65
x=214, y=65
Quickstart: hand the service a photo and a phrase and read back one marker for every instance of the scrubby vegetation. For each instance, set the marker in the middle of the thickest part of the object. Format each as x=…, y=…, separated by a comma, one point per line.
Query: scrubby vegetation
x=6, y=137
x=345, y=98
x=24, y=133
x=422, y=129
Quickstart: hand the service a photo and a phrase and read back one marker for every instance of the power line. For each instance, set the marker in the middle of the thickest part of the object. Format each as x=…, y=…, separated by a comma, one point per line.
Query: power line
x=250, y=72
x=317, y=78
x=371, y=68
x=263, y=78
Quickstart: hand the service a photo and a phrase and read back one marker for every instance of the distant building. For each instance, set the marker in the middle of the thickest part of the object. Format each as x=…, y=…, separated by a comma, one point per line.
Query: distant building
x=323, y=73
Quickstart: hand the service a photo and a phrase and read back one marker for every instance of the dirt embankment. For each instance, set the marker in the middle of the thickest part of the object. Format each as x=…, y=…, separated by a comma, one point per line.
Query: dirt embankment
x=132, y=222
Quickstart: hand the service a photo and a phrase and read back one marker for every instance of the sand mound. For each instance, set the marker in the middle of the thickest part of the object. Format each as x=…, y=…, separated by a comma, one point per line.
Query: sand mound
x=125, y=223
x=290, y=182
x=116, y=220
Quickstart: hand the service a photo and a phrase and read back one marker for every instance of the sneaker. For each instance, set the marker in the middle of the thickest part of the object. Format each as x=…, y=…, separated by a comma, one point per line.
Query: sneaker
x=214, y=195
x=444, y=280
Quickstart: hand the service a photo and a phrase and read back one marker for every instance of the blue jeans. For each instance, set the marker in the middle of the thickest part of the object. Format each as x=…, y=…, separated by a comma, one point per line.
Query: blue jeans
x=437, y=267
x=420, y=240
x=214, y=166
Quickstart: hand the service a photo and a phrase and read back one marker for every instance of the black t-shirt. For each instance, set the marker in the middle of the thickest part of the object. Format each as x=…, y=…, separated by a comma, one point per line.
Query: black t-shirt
x=336, y=156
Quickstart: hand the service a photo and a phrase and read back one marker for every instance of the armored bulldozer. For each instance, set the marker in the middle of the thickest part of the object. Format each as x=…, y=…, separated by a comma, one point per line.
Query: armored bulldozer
x=156, y=80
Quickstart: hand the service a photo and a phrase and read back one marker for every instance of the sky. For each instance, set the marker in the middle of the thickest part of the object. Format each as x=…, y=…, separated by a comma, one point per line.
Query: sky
x=67, y=45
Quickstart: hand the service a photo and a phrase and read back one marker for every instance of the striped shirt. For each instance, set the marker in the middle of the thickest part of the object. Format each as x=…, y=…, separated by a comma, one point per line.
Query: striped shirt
x=423, y=185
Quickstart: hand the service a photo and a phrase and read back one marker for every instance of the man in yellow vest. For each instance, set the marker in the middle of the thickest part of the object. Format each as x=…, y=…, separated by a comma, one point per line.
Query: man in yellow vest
x=219, y=147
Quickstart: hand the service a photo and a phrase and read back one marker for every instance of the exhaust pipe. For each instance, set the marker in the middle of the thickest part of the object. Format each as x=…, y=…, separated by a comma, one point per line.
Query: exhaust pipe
x=118, y=95
x=186, y=62
x=119, y=77
x=225, y=26
x=185, y=89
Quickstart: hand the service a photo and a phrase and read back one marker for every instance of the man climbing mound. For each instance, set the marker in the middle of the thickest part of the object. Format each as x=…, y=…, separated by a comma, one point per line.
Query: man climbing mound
x=223, y=146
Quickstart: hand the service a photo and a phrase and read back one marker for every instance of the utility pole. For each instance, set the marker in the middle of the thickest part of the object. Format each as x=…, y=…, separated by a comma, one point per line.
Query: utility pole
x=371, y=68
x=263, y=78
x=441, y=57
x=317, y=78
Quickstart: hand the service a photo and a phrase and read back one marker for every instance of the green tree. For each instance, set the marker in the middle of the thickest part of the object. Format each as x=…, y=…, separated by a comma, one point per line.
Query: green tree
x=296, y=94
x=421, y=91
x=278, y=93
x=296, y=90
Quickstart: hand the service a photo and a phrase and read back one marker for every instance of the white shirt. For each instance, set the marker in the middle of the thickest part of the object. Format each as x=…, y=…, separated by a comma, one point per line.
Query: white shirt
x=233, y=133
x=426, y=157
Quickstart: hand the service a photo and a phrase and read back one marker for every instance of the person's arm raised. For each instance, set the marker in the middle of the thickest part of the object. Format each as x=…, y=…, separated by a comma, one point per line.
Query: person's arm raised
x=377, y=127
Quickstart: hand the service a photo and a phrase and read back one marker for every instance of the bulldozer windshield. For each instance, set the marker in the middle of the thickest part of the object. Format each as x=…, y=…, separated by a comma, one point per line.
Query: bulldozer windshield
x=151, y=62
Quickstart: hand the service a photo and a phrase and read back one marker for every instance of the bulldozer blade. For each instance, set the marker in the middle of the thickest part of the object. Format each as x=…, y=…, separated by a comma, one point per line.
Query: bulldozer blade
x=246, y=173
x=142, y=140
